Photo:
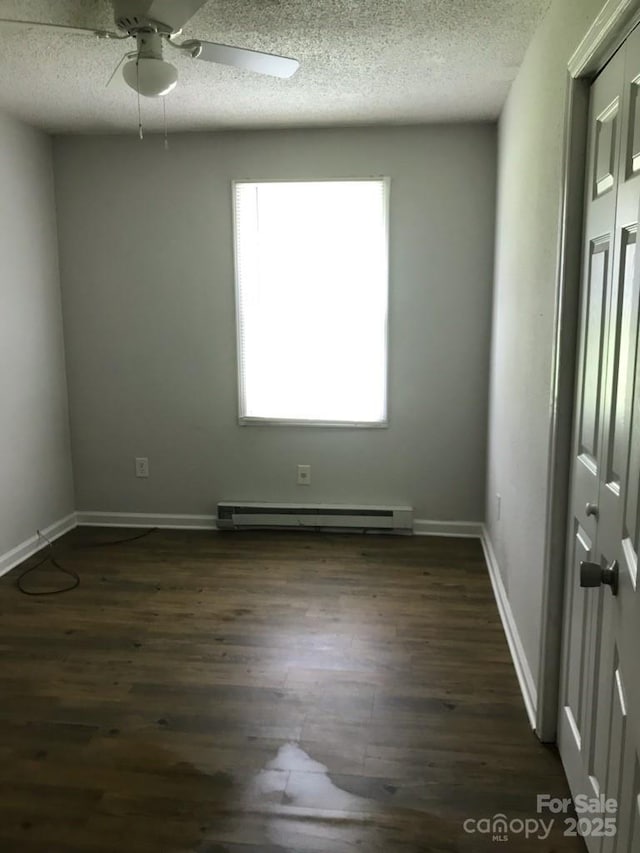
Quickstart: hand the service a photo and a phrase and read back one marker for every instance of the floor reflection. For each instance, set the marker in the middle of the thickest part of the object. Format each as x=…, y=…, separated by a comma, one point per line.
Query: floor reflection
x=294, y=805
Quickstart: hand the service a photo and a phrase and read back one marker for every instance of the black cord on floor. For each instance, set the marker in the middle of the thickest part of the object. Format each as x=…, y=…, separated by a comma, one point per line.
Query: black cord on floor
x=106, y=542
x=51, y=559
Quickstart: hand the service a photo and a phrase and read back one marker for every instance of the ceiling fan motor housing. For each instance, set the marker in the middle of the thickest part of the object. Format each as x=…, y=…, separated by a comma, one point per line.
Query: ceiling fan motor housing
x=133, y=16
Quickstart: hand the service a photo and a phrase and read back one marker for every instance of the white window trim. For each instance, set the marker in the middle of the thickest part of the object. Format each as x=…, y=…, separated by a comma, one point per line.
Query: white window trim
x=244, y=420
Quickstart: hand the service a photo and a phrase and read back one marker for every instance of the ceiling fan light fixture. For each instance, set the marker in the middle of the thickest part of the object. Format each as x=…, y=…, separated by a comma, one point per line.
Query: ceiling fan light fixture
x=152, y=78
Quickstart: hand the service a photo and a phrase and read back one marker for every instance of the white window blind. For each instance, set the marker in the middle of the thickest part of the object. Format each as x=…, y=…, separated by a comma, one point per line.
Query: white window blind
x=312, y=301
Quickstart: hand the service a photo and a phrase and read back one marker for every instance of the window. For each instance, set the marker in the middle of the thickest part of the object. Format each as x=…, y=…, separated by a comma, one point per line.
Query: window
x=312, y=299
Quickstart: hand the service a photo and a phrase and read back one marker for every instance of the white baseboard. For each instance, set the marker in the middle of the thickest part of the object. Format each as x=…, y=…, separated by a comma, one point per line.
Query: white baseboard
x=520, y=662
x=88, y=518
x=35, y=543
x=422, y=527
x=144, y=519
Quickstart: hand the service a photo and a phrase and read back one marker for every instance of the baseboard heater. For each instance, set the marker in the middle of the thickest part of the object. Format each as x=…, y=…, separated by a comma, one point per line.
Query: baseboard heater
x=394, y=519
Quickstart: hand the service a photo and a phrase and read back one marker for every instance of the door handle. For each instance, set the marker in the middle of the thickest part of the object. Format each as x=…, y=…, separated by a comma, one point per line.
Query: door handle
x=592, y=574
x=591, y=509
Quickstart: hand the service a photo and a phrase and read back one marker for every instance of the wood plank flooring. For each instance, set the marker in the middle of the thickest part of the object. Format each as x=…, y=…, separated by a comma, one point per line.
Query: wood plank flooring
x=264, y=692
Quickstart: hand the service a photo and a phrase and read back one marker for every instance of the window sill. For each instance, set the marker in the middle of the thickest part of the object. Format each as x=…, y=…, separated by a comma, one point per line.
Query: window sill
x=304, y=423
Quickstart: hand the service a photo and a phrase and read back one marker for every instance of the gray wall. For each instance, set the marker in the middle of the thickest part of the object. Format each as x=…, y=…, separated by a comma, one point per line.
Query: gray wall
x=148, y=294
x=35, y=462
x=531, y=132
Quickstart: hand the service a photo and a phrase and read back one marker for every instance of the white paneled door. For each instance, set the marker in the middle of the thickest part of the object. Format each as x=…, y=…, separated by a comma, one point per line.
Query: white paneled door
x=599, y=727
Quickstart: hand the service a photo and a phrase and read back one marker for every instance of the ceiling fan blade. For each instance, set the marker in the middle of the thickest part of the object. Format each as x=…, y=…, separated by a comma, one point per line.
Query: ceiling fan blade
x=106, y=34
x=175, y=13
x=241, y=57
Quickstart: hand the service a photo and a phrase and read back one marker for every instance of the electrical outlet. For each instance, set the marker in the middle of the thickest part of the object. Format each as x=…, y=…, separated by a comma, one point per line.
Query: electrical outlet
x=304, y=475
x=498, y=506
x=142, y=466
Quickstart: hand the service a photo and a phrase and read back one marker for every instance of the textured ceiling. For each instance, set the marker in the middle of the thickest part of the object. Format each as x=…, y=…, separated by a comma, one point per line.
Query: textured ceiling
x=362, y=62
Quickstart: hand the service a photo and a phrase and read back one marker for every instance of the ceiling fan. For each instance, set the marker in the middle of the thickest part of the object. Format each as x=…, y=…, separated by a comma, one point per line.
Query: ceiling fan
x=156, y=23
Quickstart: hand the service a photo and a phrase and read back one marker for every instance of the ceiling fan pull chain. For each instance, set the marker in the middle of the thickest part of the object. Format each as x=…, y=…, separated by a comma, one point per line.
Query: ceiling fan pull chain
x=166, y=137
x=140, y=131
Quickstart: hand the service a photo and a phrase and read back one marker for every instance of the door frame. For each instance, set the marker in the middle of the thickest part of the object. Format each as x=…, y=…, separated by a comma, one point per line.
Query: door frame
x=611, y=27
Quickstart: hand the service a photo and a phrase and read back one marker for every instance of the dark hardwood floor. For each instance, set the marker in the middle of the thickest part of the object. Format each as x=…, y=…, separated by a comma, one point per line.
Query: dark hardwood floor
x=249, y=692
